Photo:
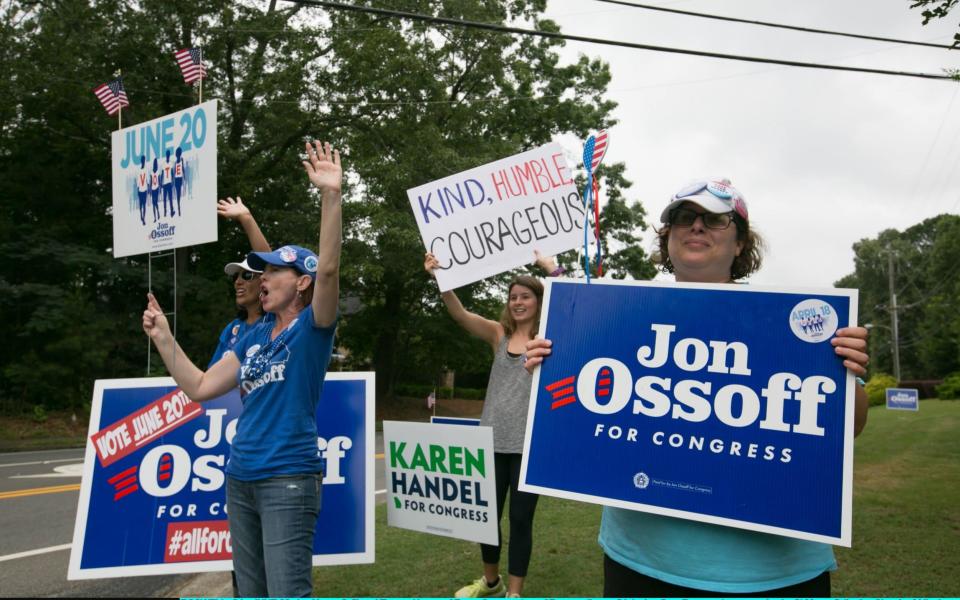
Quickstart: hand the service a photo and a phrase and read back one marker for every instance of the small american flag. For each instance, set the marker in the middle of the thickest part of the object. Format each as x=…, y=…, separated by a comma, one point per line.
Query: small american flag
x=191, y=64
x=594, y=149
x=112, y=95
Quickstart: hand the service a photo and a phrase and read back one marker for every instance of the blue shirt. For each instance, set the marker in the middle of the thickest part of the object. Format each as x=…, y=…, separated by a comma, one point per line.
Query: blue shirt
x=280, y=383
x=230, y=335
x=709, y=557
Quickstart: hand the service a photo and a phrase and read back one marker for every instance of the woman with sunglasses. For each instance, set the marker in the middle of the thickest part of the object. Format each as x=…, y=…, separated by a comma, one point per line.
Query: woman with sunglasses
x=273, y=475
x=246, y=279
x=706, y=238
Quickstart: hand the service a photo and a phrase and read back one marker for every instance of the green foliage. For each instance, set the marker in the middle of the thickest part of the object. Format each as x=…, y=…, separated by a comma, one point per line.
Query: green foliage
x=407, y=103
x=39, y=413
x=926, y=262
x=950, y=388
x=939, y=10
x=876, y=388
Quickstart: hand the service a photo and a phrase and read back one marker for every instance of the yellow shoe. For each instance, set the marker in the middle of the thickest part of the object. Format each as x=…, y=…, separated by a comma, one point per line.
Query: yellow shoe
x=480, y=589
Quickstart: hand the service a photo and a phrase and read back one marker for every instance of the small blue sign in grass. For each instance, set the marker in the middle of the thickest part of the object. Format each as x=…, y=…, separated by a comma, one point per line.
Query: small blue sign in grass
x=903, y=399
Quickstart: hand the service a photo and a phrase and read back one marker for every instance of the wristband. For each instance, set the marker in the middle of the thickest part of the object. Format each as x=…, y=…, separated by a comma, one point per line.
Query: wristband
x=557, y=272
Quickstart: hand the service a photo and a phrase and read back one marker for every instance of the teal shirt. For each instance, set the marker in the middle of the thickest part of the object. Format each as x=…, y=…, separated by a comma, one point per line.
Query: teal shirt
x=709, y=557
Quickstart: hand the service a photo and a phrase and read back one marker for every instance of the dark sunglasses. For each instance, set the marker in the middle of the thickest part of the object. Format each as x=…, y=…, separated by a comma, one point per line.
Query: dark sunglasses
x=245, y=275
x=685, y=217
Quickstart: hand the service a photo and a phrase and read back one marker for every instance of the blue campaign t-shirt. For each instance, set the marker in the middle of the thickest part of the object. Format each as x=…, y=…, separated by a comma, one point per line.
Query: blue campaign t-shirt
x=232, y=334
x=280, y=382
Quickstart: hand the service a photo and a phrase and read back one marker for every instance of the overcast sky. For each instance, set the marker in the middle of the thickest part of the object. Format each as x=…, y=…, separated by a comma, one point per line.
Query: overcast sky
x=823, y=158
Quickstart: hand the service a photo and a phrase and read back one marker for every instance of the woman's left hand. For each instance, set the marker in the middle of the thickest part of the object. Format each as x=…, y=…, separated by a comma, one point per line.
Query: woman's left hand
x=232, y=209
x=850, y=343
x=323, y=166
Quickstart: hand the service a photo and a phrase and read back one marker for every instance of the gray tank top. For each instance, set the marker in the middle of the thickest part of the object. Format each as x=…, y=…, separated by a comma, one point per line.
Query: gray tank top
x=508, y=395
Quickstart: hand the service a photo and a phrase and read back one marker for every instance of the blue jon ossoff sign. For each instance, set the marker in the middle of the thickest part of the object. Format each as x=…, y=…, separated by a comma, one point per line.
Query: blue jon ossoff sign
x=152, y=497
x=903, y=399
x=720, y=403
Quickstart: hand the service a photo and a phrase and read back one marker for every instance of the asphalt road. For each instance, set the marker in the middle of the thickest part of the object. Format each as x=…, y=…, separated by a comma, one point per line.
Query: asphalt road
x=38, y=506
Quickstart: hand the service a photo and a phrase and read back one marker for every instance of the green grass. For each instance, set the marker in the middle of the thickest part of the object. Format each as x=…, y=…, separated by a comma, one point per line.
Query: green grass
x=906, y=528
x=906, y=524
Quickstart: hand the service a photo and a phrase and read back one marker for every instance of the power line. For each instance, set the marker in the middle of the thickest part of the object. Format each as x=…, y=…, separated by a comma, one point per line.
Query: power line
x=777, y=25
x=605, y=42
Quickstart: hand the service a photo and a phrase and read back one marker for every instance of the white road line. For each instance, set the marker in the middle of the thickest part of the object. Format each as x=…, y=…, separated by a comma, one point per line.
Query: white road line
x=38, y=462
x=384, y=491
x=35, y=552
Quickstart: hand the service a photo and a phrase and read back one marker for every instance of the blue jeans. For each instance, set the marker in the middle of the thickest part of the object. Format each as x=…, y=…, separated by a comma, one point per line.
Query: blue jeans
x=271, y=528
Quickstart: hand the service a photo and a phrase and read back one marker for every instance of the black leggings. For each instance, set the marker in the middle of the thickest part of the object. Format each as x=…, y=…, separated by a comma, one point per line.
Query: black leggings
x=622, y=582
x=522, y=507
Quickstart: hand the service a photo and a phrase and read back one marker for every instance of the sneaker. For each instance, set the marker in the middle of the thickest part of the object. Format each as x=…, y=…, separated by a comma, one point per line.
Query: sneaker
x=480, y=589
x=512, y=595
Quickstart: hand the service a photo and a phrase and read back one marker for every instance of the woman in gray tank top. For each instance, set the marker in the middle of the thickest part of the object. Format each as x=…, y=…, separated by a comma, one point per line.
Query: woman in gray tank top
x=505, y=410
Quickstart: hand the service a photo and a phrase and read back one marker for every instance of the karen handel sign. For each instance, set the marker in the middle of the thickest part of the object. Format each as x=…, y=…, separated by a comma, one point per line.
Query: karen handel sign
x=718, y=403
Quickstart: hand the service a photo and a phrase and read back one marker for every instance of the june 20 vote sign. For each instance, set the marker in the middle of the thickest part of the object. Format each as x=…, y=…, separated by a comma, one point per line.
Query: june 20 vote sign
x=719, y=403
x=490, y=219
x=165, y=182
x=152, y=496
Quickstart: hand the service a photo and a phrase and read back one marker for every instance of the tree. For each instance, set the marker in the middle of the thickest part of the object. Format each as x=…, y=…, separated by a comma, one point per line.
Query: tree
x=407, y=103
x=927, y=285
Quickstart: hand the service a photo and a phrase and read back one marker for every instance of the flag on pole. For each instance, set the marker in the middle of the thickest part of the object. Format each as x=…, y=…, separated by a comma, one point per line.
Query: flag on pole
x=190, y=61
x=598, y=149
x=431, y=399
x=112, y=95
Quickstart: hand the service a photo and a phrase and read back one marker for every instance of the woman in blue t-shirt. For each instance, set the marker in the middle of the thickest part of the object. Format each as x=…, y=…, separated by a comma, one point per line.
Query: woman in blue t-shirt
x=246, y=279
x=706, y=238
x=273, y=476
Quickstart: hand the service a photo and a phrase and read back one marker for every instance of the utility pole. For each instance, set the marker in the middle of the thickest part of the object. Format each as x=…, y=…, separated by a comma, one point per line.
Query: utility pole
x=893, y=319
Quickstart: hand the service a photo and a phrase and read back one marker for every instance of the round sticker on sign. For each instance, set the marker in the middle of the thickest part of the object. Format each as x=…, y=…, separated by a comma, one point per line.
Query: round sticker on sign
x=813, y=321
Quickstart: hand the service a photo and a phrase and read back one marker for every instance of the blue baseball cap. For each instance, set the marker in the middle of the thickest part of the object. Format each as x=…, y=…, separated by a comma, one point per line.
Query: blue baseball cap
x=297, y=257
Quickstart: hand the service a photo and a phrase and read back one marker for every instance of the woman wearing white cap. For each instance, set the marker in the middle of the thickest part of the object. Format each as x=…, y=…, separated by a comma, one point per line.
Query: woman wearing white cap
x=273, y=476
x=706, y=238
x=246, y=279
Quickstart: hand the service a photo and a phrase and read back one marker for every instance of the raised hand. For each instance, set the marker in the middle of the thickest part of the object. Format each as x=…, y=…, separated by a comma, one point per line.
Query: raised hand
x=323, y=166
x=232, y=209
x=430, y=263
x=547, y=263
x=155, y=323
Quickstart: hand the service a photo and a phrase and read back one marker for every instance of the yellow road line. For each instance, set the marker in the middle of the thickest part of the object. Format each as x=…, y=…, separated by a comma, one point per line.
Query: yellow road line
x=378, y=456
x=54, y=489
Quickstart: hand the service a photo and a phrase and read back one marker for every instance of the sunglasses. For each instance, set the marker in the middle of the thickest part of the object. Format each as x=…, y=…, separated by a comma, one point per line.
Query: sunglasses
x=685, y=217
x=718, y=189
x=245, y=275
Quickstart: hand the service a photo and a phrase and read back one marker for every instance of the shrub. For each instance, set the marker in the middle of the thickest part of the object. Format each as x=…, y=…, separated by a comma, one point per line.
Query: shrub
x=39, y=413
x=877, y=388
x=950, y=388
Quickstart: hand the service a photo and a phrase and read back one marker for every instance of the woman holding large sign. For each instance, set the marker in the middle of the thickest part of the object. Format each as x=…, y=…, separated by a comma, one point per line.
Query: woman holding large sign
x=505, y=409
x=273, y=476
x=706, y=238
